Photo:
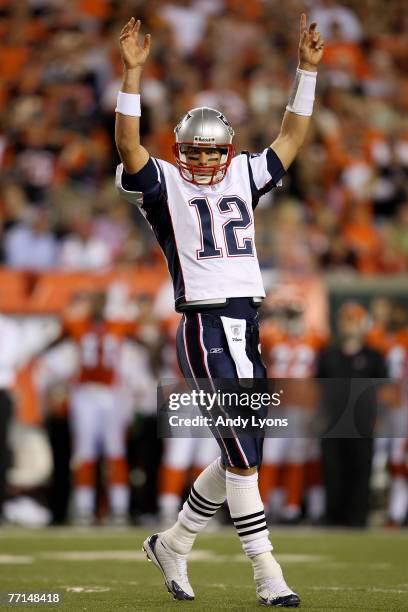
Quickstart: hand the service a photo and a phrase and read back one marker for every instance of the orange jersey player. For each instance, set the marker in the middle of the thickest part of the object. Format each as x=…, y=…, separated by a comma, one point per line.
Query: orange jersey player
x=287, y=355
x=290, y=351
x=99, y=344
x=393, y=344
x=98, y=409
x=291, y=467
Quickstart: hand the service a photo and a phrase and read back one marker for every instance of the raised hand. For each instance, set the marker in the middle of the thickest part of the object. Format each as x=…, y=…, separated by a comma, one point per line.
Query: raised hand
x=132, y=52
x=310, y=45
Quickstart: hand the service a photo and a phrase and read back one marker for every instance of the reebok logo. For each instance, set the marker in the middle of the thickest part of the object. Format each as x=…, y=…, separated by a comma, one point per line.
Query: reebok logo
x=201, y=139
x=216, y=350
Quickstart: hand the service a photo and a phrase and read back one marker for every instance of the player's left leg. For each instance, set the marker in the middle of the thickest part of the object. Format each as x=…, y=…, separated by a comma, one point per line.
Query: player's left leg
x=398, y=496
x=294, y=473
x=243, y=496
x=176, y=462
x=270, y=476
x=248, y=515
x=113, y=434
x=84, y=418
x=315, y=494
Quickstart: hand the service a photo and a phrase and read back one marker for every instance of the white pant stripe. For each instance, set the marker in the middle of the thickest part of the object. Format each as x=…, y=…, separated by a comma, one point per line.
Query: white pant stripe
x=205, y=354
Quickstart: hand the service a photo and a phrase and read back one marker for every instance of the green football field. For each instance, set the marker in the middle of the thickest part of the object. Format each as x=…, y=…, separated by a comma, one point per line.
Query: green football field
x=105, y=569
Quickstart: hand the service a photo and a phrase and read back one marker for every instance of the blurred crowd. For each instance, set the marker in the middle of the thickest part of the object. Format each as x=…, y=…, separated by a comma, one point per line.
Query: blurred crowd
x=344, y=204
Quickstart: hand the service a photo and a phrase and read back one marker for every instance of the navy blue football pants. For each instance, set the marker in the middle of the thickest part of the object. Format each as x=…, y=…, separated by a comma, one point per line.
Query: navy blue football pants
x=203, y=353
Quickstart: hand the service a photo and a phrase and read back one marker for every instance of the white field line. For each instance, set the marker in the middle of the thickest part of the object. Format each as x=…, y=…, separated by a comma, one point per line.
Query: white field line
x=220, y=585
x=356, y=588
x=16, y=559
x=195, y=555
x=134, y=555
x=78, y=589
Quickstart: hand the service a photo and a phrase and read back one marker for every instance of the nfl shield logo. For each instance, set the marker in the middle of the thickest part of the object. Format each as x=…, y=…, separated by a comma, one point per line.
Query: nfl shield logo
x=236, y=329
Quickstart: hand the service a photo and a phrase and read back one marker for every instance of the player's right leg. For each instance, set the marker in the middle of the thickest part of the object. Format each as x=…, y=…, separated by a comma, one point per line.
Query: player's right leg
x=173, y=474
x=113, y=426
x=248, y=515
x=270, y=476
x=398, y=496
x=169, y=549
x=84, y=418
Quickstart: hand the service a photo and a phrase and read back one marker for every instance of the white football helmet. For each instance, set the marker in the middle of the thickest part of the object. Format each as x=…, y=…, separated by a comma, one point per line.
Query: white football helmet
x=207, y=128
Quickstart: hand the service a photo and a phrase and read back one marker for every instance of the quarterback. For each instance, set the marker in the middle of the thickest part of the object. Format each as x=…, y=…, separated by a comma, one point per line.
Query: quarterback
x=202, y=212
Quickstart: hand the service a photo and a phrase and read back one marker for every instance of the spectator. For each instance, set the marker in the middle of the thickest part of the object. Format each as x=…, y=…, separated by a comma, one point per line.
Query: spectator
x=31, y=246
x=187, y=20
x=328, y=12
x=346, y=462
x=81, y=250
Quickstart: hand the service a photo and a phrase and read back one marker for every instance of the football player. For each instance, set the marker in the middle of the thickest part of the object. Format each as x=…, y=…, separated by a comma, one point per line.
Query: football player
x=390, y=337
x=98, y=408
x=291, y=465
x=202, y=213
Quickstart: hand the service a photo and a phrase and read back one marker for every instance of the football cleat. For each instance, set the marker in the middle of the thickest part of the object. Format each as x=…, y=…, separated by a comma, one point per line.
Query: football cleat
x=275, y=592
x=172, y=565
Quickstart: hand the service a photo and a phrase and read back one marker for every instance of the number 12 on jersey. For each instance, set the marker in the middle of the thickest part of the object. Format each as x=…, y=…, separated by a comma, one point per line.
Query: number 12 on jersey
x=209, y=248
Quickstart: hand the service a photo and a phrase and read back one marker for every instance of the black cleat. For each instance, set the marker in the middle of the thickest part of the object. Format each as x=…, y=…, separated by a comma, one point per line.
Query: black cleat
x=287, y=601
x=275, y=592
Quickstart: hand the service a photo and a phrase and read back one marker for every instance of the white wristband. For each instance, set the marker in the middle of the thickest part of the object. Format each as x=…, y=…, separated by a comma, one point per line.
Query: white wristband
x=303, y=93
x=128, y=104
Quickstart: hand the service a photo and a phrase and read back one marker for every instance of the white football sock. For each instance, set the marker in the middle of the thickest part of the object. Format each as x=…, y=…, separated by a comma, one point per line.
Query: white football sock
x=169, y=504
x=118, y=499
x=265, y=567
x=398, y=504
x=248, y=514
x=315, y=502
x=84, y=500
x=206, y=496
x=276, y=503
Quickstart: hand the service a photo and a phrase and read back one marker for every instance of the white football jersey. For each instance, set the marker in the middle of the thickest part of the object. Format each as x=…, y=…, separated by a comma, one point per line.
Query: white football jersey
x=206, y=231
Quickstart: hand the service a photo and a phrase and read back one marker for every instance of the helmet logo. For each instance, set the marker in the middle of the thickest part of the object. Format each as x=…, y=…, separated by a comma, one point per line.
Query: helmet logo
x=184, y=119
x=225, y=122
x=223, y=118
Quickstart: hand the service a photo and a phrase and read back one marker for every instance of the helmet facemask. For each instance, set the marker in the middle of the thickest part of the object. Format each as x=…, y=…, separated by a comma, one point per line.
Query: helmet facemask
x=202, y=175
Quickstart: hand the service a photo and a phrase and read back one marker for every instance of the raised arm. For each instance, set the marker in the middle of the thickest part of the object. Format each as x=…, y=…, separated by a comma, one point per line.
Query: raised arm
x=127, y=136
x=299, y=110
